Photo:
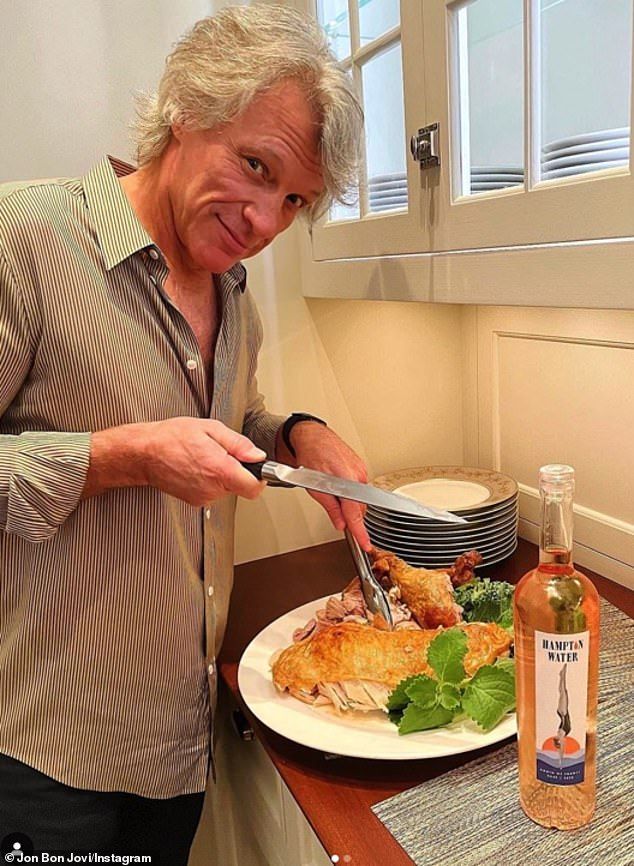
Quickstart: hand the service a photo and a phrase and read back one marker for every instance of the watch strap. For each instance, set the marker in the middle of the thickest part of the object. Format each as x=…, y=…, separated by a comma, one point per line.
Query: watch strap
x=291, y=421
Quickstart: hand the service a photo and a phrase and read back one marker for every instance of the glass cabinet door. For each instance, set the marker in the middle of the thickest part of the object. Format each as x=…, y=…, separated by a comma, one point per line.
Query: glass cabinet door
x=488, y=81
x=380, y=49
x=534, y=103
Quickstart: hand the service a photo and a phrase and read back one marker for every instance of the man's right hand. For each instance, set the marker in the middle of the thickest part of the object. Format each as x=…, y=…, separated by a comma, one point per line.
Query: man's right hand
x=196, y=460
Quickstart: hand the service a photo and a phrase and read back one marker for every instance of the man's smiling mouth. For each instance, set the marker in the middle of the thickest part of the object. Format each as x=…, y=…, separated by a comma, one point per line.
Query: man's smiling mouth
x=232, y=239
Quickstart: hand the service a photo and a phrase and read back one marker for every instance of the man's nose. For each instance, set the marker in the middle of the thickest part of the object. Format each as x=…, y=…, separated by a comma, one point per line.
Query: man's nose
x=268, y=216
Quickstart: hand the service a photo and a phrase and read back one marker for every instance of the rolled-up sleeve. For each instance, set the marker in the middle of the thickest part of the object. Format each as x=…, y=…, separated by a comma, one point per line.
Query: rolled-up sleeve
x=42, y=474
x=259, y=425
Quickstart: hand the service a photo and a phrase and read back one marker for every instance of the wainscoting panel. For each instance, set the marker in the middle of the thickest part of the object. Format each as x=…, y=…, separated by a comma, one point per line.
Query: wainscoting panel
x=558, y=386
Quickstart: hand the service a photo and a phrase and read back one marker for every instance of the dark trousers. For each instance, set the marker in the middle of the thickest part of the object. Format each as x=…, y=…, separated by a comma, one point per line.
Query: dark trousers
x=37, y=811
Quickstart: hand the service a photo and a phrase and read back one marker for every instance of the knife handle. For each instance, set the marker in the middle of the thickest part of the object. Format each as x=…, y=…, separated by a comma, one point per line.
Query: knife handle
x=259, y=470
x=254, y=468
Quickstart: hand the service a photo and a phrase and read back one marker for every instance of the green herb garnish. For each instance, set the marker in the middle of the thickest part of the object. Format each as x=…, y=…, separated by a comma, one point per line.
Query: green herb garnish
x=421, y=702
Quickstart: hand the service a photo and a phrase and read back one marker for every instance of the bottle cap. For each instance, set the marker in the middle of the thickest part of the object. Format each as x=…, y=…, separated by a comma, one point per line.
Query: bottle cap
x=556, y=475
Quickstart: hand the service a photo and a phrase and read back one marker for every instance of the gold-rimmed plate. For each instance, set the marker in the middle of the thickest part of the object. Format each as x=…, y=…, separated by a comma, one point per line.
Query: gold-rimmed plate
x=453, y=488
x=478, y=520
x=467, y=539
x=447, y=560
x=407, y=552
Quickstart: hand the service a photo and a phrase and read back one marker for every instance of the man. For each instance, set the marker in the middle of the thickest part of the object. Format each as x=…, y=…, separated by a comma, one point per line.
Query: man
x=128, y=400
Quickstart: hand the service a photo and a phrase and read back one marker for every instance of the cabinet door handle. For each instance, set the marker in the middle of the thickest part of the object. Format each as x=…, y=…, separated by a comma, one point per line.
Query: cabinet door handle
x=424, y=146
x=241, y=725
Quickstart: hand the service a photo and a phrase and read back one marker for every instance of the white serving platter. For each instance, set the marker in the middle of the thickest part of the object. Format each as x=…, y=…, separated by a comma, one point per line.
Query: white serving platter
x=357, y=735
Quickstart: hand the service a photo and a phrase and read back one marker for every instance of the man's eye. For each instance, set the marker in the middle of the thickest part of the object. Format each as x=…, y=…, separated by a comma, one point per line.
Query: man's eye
x=296, y=200
x=255, y=164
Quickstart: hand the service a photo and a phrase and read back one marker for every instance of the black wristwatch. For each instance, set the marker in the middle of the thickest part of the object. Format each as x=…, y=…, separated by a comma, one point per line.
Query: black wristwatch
x=291, y=421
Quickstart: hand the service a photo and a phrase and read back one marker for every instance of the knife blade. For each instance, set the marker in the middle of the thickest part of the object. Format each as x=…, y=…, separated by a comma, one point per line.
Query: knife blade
x=280, y=475
x=374, y=594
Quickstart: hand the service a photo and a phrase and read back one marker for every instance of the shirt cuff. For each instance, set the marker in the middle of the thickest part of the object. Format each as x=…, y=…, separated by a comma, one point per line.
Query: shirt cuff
x=262, y=431
x=44, y=475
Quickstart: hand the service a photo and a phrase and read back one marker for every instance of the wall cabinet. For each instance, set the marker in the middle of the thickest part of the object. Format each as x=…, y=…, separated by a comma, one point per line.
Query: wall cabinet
x=532, y=201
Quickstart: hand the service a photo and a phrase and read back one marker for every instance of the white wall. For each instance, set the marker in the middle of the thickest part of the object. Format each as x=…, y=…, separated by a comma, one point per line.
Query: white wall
x=68, y=71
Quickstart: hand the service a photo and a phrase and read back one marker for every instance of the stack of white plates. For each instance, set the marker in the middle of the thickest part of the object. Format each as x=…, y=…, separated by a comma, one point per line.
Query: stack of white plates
x=487, y=500
x=488, y=177
x=591, y=151
x=387, y=192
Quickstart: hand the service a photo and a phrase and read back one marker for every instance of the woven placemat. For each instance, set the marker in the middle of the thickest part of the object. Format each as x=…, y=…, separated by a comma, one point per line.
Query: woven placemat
x=471, y=816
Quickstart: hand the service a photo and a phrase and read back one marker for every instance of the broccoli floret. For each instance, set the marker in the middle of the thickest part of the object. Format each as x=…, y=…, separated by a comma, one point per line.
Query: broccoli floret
x=485, y=600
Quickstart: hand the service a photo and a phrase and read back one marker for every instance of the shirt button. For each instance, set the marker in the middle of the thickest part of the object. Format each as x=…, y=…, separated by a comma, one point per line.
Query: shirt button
x=191, y=364
x=211, y=669
x=210, y=590
x=153, y=254
x=208, y=513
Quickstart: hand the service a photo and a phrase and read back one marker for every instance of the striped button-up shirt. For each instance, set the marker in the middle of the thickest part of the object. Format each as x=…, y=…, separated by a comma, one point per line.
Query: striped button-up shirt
x=113, y=608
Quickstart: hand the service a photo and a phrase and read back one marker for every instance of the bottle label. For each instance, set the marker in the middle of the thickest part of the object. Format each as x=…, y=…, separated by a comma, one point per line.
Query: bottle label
x=561, y=699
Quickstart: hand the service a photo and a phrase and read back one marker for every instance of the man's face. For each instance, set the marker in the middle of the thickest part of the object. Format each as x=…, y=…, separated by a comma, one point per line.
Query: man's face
x=235, y=188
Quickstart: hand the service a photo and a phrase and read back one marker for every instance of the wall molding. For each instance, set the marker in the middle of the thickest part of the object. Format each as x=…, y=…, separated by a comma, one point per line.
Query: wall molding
x=598, y=537
x=558, y=338
x=586, y=556
x=589, y=513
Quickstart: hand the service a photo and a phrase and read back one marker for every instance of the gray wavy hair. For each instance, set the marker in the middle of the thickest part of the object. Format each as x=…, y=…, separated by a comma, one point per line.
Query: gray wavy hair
x=224, y=61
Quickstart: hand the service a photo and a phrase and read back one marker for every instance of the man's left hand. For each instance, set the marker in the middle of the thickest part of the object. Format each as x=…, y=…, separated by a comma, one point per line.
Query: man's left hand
x=319, y=447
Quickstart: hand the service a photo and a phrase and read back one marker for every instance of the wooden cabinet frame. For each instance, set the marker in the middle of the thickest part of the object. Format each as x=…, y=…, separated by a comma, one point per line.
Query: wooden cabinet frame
x=564, y=243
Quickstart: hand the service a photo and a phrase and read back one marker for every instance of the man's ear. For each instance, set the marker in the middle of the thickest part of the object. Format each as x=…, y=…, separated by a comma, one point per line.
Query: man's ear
x=177, y=130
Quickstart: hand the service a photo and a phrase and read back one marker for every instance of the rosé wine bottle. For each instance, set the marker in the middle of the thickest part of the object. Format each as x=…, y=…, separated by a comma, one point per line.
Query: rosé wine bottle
x=556, y=615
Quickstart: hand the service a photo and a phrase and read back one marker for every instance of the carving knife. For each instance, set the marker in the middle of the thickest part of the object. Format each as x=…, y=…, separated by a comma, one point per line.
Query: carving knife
x=280, y=475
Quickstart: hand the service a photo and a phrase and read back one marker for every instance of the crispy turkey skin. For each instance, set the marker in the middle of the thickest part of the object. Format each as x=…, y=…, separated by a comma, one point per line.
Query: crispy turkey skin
x=356, y=666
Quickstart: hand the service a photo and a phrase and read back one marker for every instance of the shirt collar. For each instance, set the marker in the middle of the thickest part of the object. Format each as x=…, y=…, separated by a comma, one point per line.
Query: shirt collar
x=235, y=278
x=119, y=231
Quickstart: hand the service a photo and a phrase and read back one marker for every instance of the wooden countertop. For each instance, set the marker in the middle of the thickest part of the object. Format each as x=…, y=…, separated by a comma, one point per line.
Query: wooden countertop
x=336, y=794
